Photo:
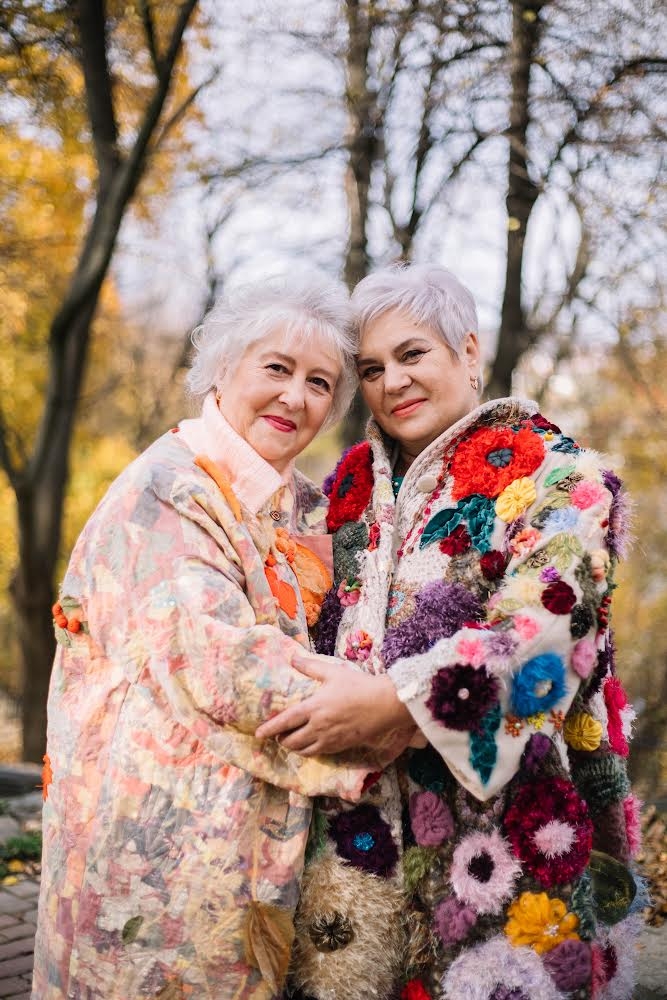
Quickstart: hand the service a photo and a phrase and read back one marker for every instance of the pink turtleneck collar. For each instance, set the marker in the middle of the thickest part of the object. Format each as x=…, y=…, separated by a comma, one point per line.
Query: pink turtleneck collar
x=253, y=478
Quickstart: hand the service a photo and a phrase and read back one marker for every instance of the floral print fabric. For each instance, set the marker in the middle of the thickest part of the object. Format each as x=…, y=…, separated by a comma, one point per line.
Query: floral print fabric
x=173, y=840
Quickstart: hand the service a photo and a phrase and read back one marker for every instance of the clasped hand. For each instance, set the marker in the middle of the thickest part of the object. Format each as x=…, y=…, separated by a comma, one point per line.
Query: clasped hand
x=349, y=710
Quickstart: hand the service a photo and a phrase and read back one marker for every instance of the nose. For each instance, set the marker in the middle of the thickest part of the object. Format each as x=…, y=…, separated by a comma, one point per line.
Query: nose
x=396, y=377
x=293, y=394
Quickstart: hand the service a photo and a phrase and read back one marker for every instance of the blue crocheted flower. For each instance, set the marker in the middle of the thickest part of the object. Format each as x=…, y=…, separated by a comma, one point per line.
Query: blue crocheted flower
x=539, y=685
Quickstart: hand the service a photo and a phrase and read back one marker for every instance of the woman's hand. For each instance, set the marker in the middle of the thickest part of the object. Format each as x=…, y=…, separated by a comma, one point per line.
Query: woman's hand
x=349, y=710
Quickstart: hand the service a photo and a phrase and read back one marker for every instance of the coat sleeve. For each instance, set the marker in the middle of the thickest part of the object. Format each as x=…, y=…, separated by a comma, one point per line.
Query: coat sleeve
x=195, y=640
x=479, y=694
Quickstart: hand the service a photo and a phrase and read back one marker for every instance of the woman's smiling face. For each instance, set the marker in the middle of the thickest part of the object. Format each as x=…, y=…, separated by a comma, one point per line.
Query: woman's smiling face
x=279, y=394
x=412, y=382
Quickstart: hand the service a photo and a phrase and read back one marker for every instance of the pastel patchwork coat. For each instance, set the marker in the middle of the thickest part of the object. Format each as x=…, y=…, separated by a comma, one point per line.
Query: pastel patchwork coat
x=494, y=862
x=173, y=840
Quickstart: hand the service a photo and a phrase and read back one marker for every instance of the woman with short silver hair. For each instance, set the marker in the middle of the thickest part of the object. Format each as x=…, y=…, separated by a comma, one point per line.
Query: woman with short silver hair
x=474, y=554
x=173, y=839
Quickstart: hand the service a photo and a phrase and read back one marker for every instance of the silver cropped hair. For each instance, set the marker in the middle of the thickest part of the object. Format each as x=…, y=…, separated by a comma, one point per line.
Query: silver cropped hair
x=304, y=305
x=432, y=296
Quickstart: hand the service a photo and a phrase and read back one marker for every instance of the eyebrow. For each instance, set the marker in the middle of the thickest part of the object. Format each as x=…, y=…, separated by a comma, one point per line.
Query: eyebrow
x=396, y=350
x=292, y=361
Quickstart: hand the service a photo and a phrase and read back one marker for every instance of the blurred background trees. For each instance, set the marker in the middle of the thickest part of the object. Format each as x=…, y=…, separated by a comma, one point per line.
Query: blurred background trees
x=152, y=152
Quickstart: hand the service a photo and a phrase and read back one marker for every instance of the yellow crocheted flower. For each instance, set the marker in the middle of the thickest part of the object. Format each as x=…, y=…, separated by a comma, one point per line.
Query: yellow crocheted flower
x=515, y=498
x=582, y=732
x=540, y=922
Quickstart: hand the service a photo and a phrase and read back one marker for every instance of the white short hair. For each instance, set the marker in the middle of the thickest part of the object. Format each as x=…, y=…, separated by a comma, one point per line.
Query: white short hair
x=304, y=305
x=431, y=295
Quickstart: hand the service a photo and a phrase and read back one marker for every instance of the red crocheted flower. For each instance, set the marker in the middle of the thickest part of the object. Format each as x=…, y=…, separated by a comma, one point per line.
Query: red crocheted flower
x=616, y=700
x=537, y=420
x=492, y=564
x=492, y=458
x=550, y=830
x=414, y=990
x=457, y=543
x=559, y=598
x=351, y=488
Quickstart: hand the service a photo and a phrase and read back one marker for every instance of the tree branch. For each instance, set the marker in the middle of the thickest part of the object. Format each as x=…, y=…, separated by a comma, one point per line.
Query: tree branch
x=91, y=20
x=149, y=29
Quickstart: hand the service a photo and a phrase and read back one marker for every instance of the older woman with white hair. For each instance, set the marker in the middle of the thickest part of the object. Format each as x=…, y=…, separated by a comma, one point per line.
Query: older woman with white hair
x=474, y=555
x=173, y=839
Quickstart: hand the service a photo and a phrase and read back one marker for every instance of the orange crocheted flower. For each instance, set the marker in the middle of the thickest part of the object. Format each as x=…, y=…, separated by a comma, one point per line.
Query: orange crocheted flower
x=492, y=458
x=540, y=922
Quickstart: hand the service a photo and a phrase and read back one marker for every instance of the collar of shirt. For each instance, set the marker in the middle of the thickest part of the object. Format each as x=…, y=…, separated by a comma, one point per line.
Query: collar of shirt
x=253, y=479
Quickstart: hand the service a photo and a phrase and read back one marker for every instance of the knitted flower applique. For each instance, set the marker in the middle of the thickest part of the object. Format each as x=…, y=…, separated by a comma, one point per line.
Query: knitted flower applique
x=550, y=830
x=539, y=685
x=492, y=458
x=462, y=695
x=540, y=922
x=483, y=872
x=364, y=839
x=351, y=487
x=496, y=970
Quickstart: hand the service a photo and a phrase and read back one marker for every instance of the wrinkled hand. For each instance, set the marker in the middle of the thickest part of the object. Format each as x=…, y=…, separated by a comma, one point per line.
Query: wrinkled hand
x=349, y=710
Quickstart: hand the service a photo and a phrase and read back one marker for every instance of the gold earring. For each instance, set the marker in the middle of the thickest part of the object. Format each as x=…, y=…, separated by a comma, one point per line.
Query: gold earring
x=474, y=381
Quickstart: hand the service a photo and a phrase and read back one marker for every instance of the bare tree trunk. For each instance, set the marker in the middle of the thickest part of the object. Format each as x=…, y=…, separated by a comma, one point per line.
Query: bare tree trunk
x=363, y=149
x=514, y=338
x=40, y=486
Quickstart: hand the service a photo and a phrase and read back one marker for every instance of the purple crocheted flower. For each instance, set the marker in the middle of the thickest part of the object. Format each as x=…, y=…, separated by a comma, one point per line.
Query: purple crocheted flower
x=618, y=532
x=537, y=749
x=453, y=920
x=508, y=993
x=569, y=964
x=441, y=609
x=431, y=819
x=462, y=695
x=327, y=624
x=364, y=839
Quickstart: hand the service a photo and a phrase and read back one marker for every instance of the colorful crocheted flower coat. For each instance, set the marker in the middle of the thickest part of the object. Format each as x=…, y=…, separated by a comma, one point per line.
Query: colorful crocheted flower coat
x=484, y=590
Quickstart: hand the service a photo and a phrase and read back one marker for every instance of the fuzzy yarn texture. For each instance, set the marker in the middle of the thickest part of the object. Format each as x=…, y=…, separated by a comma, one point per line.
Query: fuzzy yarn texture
x=569, y=964
x=559, y=598
x=370, y=964
x=364, y=839
x=441, y=609
x=612, y=959
x=427, y=768
x=539, y=685
x=431, y=819
x=492, y=458
x=496, y=964
x=462, y=695
x=601, y=780
x=327, y=625
x=483, y=872
x=415, y=990
x=615, y=700
x=453, y=921
x=550, y=830
x=618, y=531
x=351, y=488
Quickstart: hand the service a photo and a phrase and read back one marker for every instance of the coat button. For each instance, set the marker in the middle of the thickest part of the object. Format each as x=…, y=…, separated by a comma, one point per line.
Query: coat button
x=427, y=483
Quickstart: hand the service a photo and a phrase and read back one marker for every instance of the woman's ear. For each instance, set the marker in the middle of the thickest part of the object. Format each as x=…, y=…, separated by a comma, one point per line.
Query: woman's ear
x=471, y=350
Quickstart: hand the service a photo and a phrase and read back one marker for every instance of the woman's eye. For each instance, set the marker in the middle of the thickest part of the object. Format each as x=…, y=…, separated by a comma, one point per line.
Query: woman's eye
x=320, y=383
x=413, y=355
x=275, y=366
x=368, y=374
